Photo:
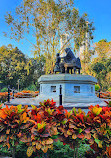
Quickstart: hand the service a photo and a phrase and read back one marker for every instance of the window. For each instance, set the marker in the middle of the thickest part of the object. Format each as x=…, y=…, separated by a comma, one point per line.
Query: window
x=91, y=89
x=41, y=88
x=76, y=89
x=53, y=88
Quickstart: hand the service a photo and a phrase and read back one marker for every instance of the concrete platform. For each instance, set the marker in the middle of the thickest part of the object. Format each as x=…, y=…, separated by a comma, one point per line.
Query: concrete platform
x=68, y=106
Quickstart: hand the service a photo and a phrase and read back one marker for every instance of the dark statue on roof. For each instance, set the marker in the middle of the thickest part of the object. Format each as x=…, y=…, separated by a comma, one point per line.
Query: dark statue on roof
x=68, y=62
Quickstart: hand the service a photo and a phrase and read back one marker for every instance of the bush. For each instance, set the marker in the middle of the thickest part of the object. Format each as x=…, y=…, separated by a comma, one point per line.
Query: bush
x=26, y=94
x=40, y=127
x=109, y=89
x=4, y=151
x=22, y=94
x=4, y=89
x=97, y=87
x=64, y=151
x=3, y=96
x=105, y=95
x=31, y=87
x=59, y=151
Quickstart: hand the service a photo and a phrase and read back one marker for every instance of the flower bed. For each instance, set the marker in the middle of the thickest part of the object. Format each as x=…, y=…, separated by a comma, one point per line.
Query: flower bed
x=40, y=127
x=26, y=93
x=22, y=94
x=105, y=95
x=3, y=96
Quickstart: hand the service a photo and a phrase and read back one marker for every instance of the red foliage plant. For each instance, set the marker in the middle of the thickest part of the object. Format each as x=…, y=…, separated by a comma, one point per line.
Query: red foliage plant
x=39, y=127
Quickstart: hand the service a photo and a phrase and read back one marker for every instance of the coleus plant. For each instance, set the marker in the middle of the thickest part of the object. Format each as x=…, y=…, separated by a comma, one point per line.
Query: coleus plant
x=13, y=125
x=99, y=120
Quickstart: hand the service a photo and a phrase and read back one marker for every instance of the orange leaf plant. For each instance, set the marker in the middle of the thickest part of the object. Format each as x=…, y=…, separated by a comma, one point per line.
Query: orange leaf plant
x=44, y=127
x=13, y=122
x=39, y=127
x=99, y=120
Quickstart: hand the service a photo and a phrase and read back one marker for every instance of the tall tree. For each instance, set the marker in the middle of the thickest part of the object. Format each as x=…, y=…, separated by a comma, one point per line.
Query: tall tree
x=13, y=66
x=101, y=65
x=47, y=21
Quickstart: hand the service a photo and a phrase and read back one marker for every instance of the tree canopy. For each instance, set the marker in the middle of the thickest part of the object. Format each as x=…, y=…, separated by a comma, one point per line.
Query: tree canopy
x=103, y=49
x=101, y=65
x=47, y=21
x=12, y=65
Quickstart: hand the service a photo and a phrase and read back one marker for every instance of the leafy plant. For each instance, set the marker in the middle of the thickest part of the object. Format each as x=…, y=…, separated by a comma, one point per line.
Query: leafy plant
x=97, y=87
x=108, y=103
x=31, y=87
x=109, y=89
x=99, y=121
x=4, y=89
x=39, y=129
x=44, y=127
x=73, y=130
x=13, y=125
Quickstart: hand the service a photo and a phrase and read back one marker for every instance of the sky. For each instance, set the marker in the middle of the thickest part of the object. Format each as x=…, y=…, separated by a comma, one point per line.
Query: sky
x=99, y=11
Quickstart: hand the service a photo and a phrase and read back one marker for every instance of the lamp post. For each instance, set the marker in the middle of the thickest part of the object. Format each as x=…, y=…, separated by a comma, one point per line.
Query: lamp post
x=18, y=84
x=60, y=96
x=8, y=94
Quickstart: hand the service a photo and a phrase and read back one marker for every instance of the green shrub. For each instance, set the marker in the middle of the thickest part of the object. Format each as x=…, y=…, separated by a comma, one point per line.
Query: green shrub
x=97, y=87
x=109, y=89
x=31, y=87
x=64, y=151
x=4, y=151
x=59, y=151
x=4, y=89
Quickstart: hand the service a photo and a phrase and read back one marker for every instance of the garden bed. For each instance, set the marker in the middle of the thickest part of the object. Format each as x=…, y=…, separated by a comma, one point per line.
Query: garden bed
x=38, y=129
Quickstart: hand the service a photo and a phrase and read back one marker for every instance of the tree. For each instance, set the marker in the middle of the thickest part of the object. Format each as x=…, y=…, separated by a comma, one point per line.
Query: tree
x=86, y=60
x=102, y=71
x=36, y=70
x=47, y=21
x=102, y=63
x=13, y=66
x=103, y=49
